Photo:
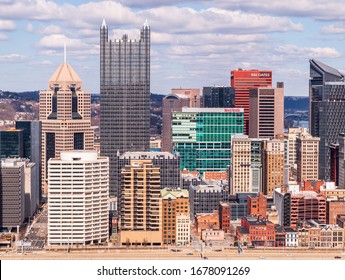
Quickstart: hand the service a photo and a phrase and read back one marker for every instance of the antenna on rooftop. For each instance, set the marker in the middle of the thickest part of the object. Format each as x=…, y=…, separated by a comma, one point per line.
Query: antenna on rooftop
x=64, y=52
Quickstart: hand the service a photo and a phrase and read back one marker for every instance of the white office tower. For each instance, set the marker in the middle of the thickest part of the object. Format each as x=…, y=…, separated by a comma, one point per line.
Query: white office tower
x=78, y=190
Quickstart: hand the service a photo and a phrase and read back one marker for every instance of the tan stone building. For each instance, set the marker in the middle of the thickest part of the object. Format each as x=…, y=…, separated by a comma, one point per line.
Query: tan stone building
x=240, y=164
x=141, y=204
x=176, y=222
x=273, y=166
x=307, y=150
x=292, y=134
x=65, y=112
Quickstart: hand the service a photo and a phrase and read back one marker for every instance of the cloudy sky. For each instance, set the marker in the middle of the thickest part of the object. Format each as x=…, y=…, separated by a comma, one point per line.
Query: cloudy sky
x=193, y=43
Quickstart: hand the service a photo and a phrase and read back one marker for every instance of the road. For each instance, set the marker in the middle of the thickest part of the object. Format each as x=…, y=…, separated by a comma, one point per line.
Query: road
x=185, y=254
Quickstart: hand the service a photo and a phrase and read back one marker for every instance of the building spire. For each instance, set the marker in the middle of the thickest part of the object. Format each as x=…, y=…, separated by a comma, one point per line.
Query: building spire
x=146, y=24
x=104, y=25
x=64, y=53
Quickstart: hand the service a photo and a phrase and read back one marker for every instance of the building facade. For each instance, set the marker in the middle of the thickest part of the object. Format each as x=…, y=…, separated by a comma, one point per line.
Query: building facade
x=246, y=164
x=78, y=192
x=293, y=207
x=172, y=103
x=11, y=143
x=326, y=110
x=218, y=97
x=12, y=199
x=307, y=157
x=266, y=111
x=125, y=97
x=141, y=204
x=65, y=114
x=168, y=164
x=175, y=212
x=202, y=137
x=243, y=81
x=273, y=166
x=205, y=198
x=32, y=131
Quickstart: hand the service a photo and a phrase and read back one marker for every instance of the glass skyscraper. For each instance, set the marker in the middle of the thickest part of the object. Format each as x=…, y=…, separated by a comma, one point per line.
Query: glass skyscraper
x=11, y=143
x=202, y=137
x=326, y=110
x=125, y=97
x=218, y=97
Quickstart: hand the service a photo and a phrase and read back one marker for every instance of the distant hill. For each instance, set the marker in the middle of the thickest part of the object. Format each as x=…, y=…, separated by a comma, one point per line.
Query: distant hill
x=25, y=95
x=293, y=104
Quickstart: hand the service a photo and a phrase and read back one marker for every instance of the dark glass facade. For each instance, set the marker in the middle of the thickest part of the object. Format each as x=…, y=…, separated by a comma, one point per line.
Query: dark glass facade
x=78, y=141
x=326, y=110
x=124, y=98
x=50, y=147
x=11, y=143
x=32, y=145
x=218, y=97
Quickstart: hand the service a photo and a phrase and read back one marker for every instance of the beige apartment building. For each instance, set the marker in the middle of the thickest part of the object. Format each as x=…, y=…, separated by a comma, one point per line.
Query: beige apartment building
x=176, y=222
x=141, y=204
x=65, y=113
x=266, y=111
x=273, y=166
x=307, y=148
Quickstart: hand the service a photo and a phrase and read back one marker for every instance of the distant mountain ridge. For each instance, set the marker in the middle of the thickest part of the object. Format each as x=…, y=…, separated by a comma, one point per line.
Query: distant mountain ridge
x=299, y=103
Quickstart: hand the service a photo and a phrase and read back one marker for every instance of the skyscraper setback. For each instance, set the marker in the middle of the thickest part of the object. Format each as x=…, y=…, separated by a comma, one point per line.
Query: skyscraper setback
x=125, y=97
x=65, y=113
x=243, y=81
x=326, y=110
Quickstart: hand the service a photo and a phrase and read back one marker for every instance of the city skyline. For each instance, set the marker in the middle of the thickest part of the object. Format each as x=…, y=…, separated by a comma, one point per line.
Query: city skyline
x=194, y=44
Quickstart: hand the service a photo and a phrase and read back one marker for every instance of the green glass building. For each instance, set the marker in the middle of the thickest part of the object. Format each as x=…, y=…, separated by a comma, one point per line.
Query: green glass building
x=202, y=137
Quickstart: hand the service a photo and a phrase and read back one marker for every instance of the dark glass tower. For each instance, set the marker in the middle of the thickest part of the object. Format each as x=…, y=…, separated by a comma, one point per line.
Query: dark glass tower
x=32, y=133
x=11, y=143
x=219, y=97
x=326, y=110
x=125, y=97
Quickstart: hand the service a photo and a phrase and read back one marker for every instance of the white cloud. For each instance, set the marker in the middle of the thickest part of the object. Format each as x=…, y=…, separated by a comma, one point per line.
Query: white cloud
x=13, y=57
x=51, y=29
x=307, y=52
x=56, y=41
x=338, y=28
x=188, y=20
x=204, y=39
x=7, y=25
x=319, y=9
x=46, y=62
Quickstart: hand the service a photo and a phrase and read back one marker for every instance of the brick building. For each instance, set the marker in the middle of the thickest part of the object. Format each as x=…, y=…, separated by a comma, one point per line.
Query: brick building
x=224, y=216
x=257, y=205
x=205, y=221
x=175, y=202
x=261, y=231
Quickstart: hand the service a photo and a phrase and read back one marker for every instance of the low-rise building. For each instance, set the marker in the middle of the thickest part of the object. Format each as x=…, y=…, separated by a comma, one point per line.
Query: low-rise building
x=261, y=231
x=182, y=229
x=291, y=236
x=207, y=221
x=208, y=235
x=320, y=235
